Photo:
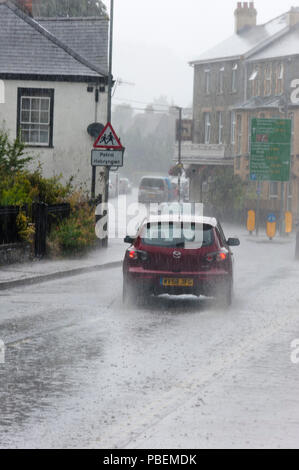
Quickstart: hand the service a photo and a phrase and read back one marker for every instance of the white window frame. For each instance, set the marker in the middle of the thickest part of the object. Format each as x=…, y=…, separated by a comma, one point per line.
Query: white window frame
x=207, y=119
x=207, y=81
x=234, y=78
x=35, y=116
x=221, y=81
x=233, y=127
x=35, y=127
x=220, y=127
x=268, y=80
x=279, y=79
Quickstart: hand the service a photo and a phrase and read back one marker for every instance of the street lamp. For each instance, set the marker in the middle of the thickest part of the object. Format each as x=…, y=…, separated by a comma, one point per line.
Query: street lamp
x=109, y=107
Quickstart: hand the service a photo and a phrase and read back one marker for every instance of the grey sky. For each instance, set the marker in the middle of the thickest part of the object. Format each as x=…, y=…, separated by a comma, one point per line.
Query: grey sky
x=155, y=39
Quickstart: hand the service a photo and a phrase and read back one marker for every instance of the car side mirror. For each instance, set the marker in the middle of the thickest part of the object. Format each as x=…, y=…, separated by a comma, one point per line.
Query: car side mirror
x=129, y=239
x=233, y=242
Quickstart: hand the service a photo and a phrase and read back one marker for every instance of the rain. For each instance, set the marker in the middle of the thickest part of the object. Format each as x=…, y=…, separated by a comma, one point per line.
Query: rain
x=149, y=225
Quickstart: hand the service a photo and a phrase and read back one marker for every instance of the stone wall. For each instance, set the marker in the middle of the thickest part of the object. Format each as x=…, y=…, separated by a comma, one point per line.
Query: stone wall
x=15, y=253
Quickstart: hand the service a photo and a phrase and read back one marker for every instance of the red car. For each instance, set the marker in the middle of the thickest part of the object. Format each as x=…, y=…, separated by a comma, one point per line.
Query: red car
x=179, y=255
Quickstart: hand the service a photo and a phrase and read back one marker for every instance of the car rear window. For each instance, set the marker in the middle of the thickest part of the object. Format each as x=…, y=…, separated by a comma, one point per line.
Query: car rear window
x=152, y=183
x=177, y=234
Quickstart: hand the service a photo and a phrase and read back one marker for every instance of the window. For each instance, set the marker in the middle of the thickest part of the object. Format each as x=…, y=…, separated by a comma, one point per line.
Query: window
x=221, y=80
x=255, y=82
x=238, y=163
x=279, y=79
x=176, y=234
x=268, y=80
x=207, y=81
x=35, y=116
x=273, y=190
x=233, y=127
x=220, y=127
x=207, y=127
x=239, y=134
x=234, y=77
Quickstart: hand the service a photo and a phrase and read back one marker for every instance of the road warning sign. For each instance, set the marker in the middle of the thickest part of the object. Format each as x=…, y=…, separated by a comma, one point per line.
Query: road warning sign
x=108, y=139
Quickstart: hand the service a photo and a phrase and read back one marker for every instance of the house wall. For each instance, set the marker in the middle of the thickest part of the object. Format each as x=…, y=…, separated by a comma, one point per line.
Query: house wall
x=215, y=101
x=74, y=110
x=241, y=164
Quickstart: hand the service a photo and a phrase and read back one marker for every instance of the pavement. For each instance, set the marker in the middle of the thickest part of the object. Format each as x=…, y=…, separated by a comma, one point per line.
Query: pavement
x=37, y=271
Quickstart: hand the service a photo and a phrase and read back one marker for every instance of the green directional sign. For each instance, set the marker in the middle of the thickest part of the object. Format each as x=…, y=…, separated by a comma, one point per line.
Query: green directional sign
x=270, y=153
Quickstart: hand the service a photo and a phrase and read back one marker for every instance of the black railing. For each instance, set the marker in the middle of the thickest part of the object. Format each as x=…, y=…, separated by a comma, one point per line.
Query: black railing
x=8, y=224
x=44, y=217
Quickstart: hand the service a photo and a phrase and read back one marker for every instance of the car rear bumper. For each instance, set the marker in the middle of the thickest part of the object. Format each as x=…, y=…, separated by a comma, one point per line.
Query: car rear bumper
x=204, y=283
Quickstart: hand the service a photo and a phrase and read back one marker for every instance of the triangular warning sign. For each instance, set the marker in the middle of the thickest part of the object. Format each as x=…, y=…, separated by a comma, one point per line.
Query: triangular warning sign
x=107, y=139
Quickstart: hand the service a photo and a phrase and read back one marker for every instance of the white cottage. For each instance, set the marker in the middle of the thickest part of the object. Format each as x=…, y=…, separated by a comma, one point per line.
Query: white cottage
x=53, y=85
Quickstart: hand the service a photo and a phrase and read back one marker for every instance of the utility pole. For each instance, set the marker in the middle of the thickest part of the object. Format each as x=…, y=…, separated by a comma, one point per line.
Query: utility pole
x=179, y=135
x=109, y=106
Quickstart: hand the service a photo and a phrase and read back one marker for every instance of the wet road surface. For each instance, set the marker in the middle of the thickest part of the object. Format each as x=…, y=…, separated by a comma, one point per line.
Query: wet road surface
x=83, y=371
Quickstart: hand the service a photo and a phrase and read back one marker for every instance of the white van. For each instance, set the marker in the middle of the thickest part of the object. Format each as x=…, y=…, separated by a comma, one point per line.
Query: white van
x=154, y=189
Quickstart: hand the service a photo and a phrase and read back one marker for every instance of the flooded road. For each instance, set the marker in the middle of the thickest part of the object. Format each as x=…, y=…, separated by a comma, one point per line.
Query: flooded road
x=83, y=371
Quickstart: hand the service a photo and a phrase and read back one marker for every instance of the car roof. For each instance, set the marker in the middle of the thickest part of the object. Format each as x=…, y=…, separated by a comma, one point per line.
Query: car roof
x=154, y=177
x=181, y=218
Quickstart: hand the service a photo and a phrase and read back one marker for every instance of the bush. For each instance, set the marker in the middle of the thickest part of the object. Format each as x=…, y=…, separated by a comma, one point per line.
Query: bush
x=76, y=234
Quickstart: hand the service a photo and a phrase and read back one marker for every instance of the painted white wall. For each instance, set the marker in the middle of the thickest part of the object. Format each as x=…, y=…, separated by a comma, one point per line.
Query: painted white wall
x=74, y=110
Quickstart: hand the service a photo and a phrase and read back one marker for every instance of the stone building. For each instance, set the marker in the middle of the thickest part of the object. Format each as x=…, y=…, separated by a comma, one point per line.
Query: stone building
x=253, y=73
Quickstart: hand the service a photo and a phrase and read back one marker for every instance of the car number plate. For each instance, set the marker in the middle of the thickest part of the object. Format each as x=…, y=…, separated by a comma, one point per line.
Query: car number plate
x=170, y=281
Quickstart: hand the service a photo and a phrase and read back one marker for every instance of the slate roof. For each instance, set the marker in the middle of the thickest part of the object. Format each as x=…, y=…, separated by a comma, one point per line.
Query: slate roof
x=288, y=45
x=27, y=48
x=87, y=36
x=246, y=42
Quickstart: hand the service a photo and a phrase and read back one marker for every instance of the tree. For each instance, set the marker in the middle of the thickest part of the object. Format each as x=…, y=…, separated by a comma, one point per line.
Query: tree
x=68, y=8
x=12, y=157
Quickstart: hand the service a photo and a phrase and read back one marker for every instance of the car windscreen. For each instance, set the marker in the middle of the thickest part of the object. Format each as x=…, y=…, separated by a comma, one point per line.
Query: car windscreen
x=177, y=235
x=152, y=183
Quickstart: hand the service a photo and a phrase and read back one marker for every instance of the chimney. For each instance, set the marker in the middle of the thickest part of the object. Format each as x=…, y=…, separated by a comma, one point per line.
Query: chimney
x=245, y=15
x=25, y=5
x=293, y=16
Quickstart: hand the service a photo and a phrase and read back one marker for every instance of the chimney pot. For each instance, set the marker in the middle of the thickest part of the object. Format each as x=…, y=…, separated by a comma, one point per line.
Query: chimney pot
x=245, y=16
x=26, y=5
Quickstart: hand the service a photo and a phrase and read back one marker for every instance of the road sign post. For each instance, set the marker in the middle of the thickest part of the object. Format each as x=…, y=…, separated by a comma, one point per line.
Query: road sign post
x=107, y=152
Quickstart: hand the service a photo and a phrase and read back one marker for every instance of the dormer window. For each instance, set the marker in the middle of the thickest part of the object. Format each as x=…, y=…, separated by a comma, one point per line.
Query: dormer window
x=234, y=78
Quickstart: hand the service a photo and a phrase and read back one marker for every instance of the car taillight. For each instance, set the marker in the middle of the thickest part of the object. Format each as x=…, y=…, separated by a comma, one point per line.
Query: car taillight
x=218, y=256
x=137, y=254
x=133, y=254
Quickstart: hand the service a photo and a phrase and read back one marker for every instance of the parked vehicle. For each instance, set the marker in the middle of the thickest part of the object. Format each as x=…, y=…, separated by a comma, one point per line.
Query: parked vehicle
x=154, y=189
x=179, y=255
